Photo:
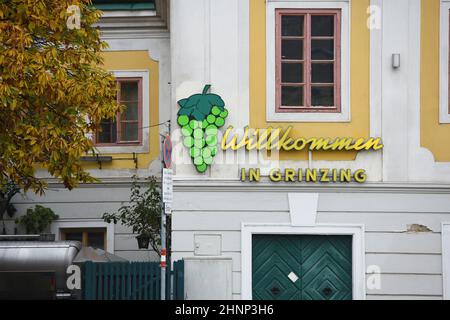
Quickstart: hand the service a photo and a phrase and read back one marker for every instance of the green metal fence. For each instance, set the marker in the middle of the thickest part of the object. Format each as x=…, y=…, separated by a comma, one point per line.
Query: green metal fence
x=122, y=281
x=131, y=281
x=178, y=280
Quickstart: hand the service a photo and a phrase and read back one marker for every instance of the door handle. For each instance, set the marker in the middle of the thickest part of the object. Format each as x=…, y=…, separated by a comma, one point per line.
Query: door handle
x=275, y=291
x=327, y=291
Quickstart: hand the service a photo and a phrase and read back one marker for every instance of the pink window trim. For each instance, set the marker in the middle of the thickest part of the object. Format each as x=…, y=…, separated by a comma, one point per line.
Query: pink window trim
x=307, y=61
x=118, y=122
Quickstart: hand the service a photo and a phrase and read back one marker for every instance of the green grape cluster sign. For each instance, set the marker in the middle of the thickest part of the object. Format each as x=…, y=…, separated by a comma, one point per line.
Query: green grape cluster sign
x=200, y=117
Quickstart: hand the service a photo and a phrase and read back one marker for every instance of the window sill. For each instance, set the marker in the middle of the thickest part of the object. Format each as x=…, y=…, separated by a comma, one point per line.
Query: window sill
x=343, y=116
x=117, y=149
x=444, y=118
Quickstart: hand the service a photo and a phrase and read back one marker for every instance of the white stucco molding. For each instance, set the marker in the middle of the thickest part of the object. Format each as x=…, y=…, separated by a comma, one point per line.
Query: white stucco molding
x=422, y=164
x=145, y=146
x=155, y=55
x=303, y=209
x=358, y=250
x=158, y=48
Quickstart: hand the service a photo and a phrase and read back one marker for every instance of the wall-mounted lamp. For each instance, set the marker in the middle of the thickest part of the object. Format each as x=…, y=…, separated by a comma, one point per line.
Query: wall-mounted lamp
x=396, y=60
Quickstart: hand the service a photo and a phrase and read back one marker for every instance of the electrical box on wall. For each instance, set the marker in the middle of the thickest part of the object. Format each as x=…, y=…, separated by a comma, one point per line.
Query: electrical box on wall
x=207, y=244
x=208, y=278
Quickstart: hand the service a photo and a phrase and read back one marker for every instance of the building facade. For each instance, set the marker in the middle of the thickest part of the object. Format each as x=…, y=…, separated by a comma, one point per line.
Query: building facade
x=345, y=68
x=303, y=222
x=139, y=55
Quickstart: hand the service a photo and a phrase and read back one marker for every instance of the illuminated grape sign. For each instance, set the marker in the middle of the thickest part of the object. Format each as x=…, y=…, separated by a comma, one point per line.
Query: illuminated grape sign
x=200, y=117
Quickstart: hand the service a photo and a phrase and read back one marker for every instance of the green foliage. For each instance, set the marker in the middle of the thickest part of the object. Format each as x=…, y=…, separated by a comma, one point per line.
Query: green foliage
x=37, y=220
x=7, y=192
x=143, y=214
x=53, y=91
x=198, y=106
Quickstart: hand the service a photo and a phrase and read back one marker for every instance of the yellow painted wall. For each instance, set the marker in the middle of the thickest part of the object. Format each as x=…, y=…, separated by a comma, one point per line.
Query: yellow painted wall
x=434, y=136
x=359, y=127
x=136, y=60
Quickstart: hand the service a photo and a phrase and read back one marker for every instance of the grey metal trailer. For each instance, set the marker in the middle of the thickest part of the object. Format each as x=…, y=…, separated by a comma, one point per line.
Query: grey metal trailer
x=36, y=270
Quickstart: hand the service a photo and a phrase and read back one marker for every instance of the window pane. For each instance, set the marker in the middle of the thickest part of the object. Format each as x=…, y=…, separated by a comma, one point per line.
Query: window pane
x=292, y=50
x=128, y=91
x=322, y=25
x=107, y=133
x=292, y=25
x=73, y=236
x=291, y=96
x=292, y=72
x=322, y=49
x=322, y=96
x=129, y=132
x=96, y=240
x=322, y=73
x=131, y=111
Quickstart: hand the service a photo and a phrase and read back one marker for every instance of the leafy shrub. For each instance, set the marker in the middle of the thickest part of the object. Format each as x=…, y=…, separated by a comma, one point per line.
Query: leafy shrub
x=37, y=220
x=143, y=214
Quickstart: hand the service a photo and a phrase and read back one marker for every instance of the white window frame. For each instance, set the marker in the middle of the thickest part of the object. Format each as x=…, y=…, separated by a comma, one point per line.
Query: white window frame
x=271, y=114
x=145, y=147
x=444, y=114
x=85, y=224
x=358, y=251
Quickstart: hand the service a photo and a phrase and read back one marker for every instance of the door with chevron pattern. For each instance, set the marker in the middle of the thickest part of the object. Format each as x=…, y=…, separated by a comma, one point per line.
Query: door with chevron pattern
x=305, y=267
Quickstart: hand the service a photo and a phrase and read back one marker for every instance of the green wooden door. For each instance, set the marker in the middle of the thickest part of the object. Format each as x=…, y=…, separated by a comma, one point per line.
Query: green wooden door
x=302, y=267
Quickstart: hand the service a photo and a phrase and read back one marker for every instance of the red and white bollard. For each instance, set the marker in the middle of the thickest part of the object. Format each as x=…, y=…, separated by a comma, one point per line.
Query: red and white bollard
x=163, y=258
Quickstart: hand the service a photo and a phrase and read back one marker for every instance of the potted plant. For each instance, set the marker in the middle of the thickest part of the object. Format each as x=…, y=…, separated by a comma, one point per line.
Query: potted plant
x=143, y=214
x=37, y=221
x=7, y=192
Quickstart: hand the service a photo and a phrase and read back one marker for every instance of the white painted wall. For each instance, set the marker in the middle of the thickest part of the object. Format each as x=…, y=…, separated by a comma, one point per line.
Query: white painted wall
x=410, y=262
x=83, y=208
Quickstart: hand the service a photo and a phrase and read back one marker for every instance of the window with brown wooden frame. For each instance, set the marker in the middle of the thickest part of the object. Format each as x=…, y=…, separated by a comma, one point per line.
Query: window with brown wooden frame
x=126, y=127
x=89, y=237
x=308, y=60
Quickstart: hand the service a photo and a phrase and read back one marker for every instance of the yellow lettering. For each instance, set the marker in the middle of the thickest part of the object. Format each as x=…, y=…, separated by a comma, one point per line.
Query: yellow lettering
x=374, y=144
x=342, y=144
x=270, y=139
x=289, y=175
x=232, y=144
x=359, y=145
x=286, y=143
x=243, y=142
x=319, y=144
x=243, y=175
x=254, y=175
x=275, y=175
x=324, y=173
x=274, y=134
x=335, y=175
x=311, y=175
x=360, y=176
x=299, y=144
x=262, y=140
x=252, y=141
x=346, y=175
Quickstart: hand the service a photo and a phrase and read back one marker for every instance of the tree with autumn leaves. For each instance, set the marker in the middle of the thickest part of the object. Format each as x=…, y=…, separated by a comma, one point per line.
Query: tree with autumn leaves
x=53, y=91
